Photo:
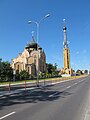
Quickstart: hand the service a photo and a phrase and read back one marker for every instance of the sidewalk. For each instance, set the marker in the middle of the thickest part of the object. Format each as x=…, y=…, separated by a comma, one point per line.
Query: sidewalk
x=17, y=91
x=32, y=87
x=87, y=114
x=47, y=82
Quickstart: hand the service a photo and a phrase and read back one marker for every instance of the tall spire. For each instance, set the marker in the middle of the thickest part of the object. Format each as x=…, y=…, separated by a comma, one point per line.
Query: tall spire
x=65, y=35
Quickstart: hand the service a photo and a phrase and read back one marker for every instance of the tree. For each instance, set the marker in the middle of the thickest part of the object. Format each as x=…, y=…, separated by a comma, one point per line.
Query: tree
x=54, y=68
x=6, y=71
x=41, y=75
x=24, y=74
x=51, y=69
x=86, y=72
x=79, y=72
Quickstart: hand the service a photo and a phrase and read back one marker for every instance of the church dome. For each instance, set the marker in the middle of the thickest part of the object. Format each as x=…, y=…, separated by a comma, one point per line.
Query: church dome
x=32, y=44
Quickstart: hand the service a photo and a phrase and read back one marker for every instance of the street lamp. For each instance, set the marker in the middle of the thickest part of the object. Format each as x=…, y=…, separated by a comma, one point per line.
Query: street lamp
x=0, y=67
x=14, y=73
x=38, y=25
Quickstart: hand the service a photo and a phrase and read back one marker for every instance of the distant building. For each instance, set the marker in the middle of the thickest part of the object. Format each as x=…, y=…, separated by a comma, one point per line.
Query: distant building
x=66, y=54
x=31, y=59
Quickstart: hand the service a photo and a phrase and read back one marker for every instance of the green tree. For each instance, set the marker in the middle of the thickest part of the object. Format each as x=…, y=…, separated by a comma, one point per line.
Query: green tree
x=86, y=72
x=54, y=68
x=6, y=71
x=47, y=75
x=79, y=72
x=51, y=69
x=24, y=74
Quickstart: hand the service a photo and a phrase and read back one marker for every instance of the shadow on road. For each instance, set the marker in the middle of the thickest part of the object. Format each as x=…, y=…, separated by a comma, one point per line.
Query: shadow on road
x=32, y=96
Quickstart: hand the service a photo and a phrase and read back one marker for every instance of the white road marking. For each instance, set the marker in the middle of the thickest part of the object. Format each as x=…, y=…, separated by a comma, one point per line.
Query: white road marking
x=3, y=97
x=7, y=115
x=53, y=94
x=75, y=83
x=68, y=87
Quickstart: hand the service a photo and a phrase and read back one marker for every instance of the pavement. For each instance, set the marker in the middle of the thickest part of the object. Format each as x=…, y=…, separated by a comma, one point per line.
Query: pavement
x=87, y=114
x=7, y=93
x=31, y=87
x=64, y=101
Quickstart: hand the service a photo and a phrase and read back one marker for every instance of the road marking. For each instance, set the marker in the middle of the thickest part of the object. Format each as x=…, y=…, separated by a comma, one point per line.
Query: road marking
x=75, y=83
x=7, y=115
x=53, y=94
x=68, y=87
x=3, y=97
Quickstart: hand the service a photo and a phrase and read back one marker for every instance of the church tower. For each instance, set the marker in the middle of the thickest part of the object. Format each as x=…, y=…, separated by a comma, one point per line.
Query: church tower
x=66, y=52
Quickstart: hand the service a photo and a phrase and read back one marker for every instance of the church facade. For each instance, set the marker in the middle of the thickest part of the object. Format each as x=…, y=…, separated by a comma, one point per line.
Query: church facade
x=32, y=59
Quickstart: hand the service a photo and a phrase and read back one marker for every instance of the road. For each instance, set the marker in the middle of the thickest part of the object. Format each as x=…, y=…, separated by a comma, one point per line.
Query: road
x=63, y=101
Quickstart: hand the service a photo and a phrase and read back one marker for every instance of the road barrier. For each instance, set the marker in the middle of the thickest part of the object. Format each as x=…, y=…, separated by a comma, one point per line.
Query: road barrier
x=9, y=87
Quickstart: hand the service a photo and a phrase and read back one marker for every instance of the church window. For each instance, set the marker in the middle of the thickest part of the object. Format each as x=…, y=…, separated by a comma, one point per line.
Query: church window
x=34, y=56
x=18, y=67
x=35, y=61
x=28, y=69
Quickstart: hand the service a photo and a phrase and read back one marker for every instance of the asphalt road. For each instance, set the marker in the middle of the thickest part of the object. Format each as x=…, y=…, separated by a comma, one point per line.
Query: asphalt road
x=64, y=101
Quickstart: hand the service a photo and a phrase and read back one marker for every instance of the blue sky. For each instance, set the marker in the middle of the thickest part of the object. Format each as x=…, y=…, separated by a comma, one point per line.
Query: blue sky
x=15, y=32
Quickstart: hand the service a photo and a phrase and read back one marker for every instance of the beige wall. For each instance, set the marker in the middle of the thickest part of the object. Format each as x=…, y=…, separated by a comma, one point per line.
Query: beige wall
x=29, y=61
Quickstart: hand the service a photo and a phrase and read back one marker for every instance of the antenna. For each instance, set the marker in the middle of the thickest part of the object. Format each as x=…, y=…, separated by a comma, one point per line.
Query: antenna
x=32, y=33
x=64, y=21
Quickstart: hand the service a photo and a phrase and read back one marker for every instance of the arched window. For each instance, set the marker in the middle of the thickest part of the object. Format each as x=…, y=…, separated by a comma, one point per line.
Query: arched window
x=34, y=56
x=28, y=69
x=18, y=67
x=35, y=59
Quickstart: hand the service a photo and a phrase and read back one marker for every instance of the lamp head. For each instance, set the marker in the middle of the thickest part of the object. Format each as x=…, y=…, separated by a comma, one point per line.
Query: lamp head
x=48, y=15
x=29, y=22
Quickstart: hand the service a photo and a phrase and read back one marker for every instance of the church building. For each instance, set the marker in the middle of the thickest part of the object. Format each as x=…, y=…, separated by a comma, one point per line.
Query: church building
x=32, y=59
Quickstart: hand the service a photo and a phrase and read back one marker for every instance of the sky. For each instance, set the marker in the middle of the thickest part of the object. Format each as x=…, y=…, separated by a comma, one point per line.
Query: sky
x=15, y=32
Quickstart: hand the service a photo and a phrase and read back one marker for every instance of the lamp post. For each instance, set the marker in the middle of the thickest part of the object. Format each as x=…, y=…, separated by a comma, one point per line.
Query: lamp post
x=0, y=67
x=38, y=26
x=14, y=73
